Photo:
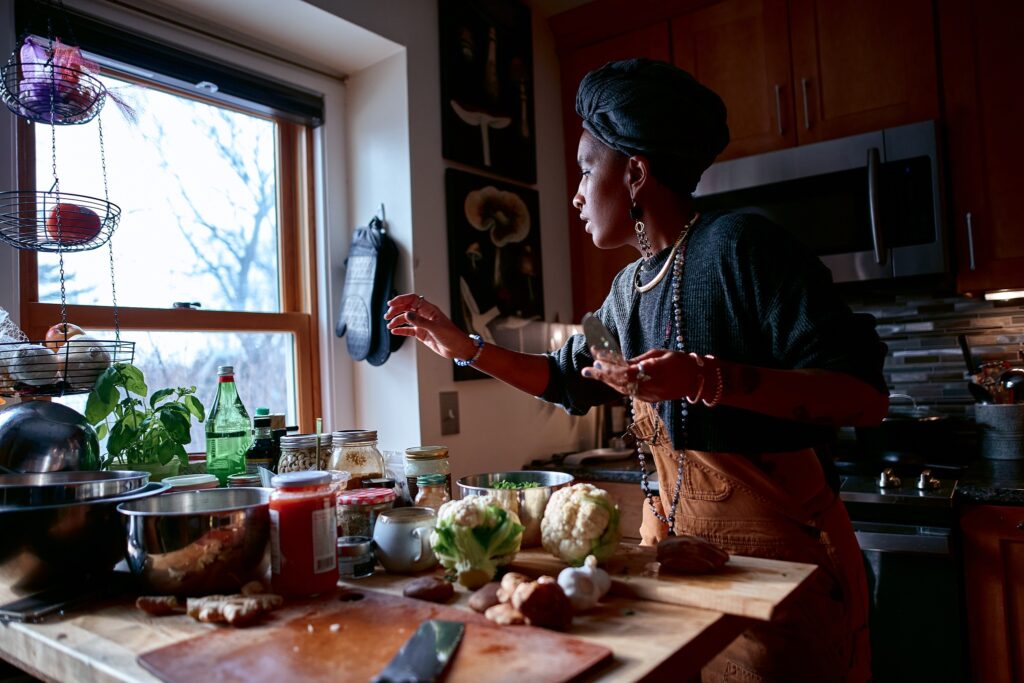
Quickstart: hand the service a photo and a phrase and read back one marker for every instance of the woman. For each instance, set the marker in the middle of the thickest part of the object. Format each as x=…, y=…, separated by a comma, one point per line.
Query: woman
x=737, y=354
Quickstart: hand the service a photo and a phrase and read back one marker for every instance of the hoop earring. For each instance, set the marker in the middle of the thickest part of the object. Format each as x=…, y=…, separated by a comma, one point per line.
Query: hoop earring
x=641, y=231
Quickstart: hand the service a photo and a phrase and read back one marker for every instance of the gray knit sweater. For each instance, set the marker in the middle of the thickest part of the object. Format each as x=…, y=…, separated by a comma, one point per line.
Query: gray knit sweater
x=751, y=294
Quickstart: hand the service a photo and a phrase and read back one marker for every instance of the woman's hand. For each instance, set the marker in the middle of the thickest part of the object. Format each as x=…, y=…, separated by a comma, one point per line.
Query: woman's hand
x=656, y=375
x=410, y=315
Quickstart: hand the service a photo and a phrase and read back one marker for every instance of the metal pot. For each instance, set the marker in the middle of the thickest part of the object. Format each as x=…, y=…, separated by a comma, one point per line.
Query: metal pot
x=529, y=503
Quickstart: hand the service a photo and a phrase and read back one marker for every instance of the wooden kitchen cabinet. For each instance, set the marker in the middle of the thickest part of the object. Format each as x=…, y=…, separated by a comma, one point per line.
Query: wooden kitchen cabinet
x=993, y=550
x=984, y=107
x=593, y=269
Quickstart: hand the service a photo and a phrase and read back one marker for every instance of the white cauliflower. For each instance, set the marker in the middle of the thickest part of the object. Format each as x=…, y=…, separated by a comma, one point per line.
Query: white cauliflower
x=473, y=537
x=580, y=520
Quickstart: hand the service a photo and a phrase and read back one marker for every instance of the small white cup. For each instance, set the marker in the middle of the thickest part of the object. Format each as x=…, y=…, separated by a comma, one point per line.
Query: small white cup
x=401, y=539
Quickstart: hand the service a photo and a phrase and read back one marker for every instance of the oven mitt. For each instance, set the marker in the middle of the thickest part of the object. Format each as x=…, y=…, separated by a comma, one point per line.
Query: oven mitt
x=369, y=284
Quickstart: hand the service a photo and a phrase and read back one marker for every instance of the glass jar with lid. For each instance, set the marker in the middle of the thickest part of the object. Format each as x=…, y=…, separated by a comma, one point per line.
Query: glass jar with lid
x=431, y=492
x=358, y=510
x=420, y=460
x=299, y=453
x=355, y=451
x=303, y=534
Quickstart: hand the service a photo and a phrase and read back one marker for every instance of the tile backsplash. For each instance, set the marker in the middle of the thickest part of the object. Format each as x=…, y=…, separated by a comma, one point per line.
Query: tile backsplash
x=924, y=357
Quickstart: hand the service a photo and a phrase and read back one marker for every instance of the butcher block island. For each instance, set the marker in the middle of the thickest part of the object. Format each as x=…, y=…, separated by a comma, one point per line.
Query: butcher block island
x=647, y=628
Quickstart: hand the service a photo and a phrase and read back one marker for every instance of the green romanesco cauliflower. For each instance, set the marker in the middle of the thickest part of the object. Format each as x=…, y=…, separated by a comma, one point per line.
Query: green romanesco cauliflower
x=473, y=537
x=580, y=520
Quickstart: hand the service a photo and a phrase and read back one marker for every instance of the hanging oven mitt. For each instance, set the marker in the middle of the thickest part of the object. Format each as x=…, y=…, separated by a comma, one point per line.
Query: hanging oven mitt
x=369, y=283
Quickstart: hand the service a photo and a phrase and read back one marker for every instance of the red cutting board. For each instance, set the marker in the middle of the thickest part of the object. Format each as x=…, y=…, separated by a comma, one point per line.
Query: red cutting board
x=370, y=632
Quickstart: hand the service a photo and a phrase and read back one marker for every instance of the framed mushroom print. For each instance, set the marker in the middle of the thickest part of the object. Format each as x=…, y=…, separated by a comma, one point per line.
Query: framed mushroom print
x=487, y=86
x=494, y=259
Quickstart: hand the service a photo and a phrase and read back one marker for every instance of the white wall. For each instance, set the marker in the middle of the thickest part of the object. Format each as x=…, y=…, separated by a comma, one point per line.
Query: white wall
x=500, y=427
x=8, y=255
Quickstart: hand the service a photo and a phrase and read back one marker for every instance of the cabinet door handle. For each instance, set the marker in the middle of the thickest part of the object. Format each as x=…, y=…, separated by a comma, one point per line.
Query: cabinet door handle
x=970, y=240
x=778, y=107
x=874, y=208
x=807, y=109
x=1020, y=525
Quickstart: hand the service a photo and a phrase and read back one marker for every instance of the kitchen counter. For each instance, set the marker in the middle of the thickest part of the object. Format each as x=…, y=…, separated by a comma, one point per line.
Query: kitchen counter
x=100, y=643
x=621, y=470
x=992, y=482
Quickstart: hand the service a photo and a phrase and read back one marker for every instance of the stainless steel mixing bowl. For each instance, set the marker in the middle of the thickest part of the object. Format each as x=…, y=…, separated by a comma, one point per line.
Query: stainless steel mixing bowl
x=56, y=488
x=45, y=544
x=42, y=436
x=199, y=542
x=528, y=503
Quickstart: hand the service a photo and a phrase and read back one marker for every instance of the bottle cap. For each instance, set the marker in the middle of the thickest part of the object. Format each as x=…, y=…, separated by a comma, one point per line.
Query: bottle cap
x=365, y=496
x=297, y=479
x=426, y=452
x=263, y=411
x=355, y=435
x=226, y=370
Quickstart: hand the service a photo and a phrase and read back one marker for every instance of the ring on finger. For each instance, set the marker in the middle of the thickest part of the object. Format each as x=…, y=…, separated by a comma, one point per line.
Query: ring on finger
x=419, y=302
x=641, y=375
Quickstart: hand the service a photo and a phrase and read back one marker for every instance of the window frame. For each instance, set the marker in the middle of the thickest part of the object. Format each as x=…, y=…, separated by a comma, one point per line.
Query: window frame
x=297, y=260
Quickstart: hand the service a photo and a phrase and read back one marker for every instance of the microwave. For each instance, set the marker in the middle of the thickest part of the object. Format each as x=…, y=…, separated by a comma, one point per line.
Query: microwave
x=870, y=206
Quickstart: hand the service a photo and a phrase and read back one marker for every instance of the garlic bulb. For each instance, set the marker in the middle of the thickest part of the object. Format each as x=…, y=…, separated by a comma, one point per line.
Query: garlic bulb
x=34, y=365
x=82, y=360
x=585, y=585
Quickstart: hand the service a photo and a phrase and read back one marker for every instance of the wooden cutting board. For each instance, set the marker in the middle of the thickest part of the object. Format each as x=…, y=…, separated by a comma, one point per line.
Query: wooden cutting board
x=745, y=586
x=298, y=644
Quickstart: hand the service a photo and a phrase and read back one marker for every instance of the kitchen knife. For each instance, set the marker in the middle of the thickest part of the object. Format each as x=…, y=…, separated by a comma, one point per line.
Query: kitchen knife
x=424, y=656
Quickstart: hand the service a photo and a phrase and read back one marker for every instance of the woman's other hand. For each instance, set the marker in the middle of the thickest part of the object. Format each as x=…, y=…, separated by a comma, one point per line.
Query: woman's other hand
x=410, y=315
x=656, y=375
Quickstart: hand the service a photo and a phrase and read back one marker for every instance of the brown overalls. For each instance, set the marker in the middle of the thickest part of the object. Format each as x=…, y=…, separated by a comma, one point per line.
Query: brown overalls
x=777, y=506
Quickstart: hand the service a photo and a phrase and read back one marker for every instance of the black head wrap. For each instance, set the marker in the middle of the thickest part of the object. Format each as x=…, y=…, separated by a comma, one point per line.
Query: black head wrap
x=642, y=106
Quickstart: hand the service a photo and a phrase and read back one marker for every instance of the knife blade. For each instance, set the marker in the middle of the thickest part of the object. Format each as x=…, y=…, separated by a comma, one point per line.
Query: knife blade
x=424, y=656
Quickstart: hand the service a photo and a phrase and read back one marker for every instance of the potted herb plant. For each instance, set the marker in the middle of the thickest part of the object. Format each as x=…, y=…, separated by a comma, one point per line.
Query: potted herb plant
x=148, y=435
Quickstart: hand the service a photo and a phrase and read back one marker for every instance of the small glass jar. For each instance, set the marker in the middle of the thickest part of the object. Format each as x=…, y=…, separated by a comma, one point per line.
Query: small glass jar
x=246, y=479
x=191, y=482
x=420, y=460
x=355, y=557
x=358, y=510
x=299, y=453
x=355, y=451
x=303, y=534
x=431, y=492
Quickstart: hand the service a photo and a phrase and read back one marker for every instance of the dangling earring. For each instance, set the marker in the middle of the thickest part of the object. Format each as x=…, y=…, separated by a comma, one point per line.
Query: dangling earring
x=641, y=232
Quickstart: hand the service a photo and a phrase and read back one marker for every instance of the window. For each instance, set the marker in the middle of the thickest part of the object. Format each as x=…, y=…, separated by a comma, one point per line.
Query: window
x=215, y=201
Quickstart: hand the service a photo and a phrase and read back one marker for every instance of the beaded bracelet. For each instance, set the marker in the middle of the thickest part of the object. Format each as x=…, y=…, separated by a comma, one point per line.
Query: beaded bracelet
x=700, y=387
x=479, y=349
x=719, y=385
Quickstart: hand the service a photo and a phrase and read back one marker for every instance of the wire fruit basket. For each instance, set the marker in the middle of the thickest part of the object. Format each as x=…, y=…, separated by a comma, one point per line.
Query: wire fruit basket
x=52, y=94
x=56, y=221
x=56, y=368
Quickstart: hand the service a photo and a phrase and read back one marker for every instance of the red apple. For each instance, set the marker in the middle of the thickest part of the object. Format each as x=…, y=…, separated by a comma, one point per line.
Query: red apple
x=78, y=224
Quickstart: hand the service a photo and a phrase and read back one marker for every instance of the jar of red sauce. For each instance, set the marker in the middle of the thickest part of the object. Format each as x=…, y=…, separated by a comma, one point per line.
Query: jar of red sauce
x=303, y=534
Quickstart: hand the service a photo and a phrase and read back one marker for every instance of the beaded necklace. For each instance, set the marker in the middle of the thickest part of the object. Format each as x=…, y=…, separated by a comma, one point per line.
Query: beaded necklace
x=678, y=261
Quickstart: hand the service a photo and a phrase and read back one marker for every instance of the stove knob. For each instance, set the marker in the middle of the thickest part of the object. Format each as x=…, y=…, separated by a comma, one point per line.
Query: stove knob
x=926, y=481
x=887, y=479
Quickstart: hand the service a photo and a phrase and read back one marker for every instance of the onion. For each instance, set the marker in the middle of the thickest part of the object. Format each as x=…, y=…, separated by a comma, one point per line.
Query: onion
x=34, y=365
x=82, y=360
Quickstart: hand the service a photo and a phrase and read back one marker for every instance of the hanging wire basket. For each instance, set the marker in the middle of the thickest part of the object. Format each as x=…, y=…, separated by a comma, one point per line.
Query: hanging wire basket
x=51, y=94
x=45, y=369
x=56, y=221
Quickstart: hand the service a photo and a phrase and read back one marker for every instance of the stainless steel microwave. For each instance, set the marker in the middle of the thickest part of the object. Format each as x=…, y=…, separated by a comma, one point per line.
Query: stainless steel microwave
x=870, y=206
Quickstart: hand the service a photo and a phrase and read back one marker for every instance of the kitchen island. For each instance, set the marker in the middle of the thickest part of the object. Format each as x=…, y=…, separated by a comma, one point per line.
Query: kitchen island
x=102, y=640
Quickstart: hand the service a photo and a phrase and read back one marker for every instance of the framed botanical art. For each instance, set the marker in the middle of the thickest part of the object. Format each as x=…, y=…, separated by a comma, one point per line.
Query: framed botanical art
x=487, y=86
x=494, y=259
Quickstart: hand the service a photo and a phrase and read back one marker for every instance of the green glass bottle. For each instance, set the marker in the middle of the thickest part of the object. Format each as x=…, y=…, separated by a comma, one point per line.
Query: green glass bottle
x=228, y=430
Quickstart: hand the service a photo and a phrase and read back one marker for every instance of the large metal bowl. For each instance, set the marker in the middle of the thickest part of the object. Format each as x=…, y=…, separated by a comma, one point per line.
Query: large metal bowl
x=57, y=488
x=199, y=542
x=44, y=544
x=42, y=436
x=528, y=503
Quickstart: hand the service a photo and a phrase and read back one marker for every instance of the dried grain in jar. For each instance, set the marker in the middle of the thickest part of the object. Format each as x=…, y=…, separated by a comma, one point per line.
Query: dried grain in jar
x=355, y=451
x=299, y=453
x=358, y=510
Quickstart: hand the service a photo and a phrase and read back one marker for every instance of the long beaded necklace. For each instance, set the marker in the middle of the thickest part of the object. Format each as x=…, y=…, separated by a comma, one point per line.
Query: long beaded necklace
x=678, y=261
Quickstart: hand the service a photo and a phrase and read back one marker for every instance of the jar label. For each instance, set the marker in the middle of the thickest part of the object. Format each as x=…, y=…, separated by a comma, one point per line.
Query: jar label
x=325, y=539
x=275, y=542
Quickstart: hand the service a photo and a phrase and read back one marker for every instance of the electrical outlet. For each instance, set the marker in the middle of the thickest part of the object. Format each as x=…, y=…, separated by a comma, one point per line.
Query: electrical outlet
x=449, y=412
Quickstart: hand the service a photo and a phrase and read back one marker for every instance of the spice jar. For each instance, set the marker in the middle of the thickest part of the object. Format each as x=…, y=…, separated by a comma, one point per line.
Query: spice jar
x=358, y=510
x=420, y=460
x=355, y=557
x=245, y=479
x=355, y=451
x=431, y=492
x=299, y=453
x=303, y=534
